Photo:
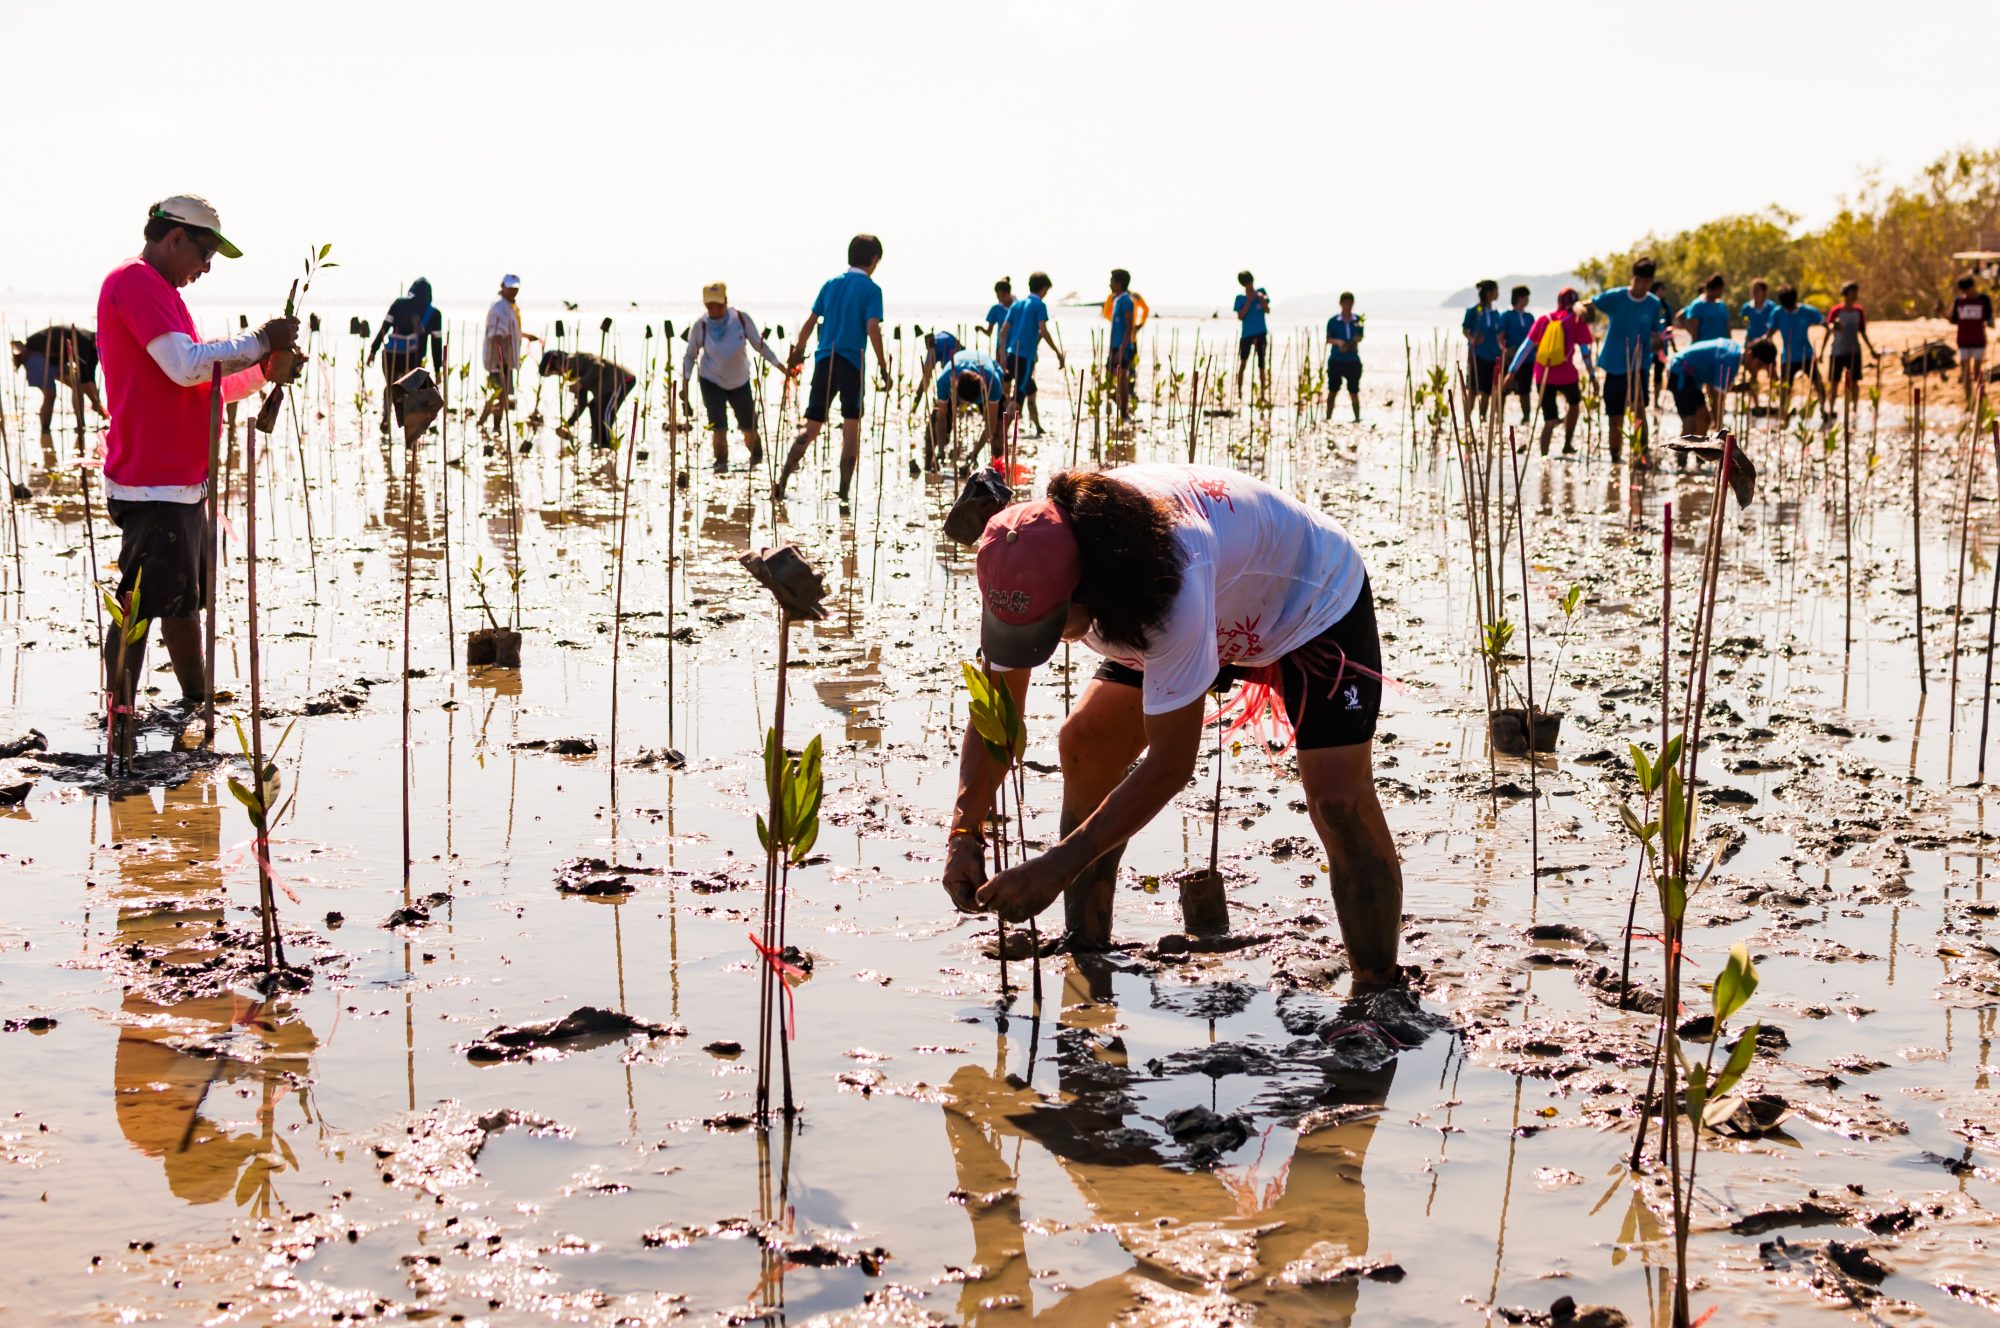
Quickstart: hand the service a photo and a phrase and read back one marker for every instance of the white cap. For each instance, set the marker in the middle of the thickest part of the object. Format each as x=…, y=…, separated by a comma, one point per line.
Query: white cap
x=510, y=282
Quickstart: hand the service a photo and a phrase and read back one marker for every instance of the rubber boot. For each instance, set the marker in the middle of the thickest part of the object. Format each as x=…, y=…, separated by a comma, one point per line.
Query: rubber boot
x=1088, y=899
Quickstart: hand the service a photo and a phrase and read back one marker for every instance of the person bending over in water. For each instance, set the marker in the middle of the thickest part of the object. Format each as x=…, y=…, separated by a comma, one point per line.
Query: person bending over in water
x=1184, y=578
x=1700, y=375
x=599, y=384
x=974, y=379
x=411, y=321
x=60, y=355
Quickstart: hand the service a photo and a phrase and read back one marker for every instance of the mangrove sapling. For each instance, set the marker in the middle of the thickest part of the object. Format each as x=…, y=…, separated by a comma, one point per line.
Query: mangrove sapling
x=1004, y=733
x=1571, y=598
x=796, y=786
x=493, y=644
x=799, y=590
x=119, y=739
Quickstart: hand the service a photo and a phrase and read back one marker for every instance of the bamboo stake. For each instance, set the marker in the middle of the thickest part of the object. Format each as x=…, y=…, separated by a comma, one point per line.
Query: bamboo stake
x=1992, y=605
x=208, y=558
x=1917, y=526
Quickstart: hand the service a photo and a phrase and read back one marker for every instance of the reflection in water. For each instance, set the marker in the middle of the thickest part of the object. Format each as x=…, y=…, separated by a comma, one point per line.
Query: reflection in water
x=188, y=1052
x=1094, y=1132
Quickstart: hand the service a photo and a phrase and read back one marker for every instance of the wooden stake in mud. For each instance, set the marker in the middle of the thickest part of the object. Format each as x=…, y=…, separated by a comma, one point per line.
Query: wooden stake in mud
x=409, y=559
x=267, y=911
x=618, y=599
x=1992, y=605
x=1972, y=456
x=208, y=559
x=1917, y=525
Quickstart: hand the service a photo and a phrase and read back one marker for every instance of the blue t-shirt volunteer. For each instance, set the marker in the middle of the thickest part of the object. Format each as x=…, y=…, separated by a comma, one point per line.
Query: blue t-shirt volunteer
x=1023, y=336
x=1711, y=363
x=1759, y=320
x=1629, y=324
x=970, y=362
x=1514, y=325
x=1706, y=319
x=1123, y=333
x=845, y=307
x=1795, y=327
x=1485, y=321
x=1253, y=324
x=1348, y=328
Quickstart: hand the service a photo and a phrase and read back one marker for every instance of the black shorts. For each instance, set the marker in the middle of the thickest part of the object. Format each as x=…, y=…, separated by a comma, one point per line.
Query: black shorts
x=835, y=375
x=1019, y=372
x=163, y=549
x=1794, y=368
x=1521, y=385
x=1339, y=372
x=1689, y=396
x=1569, y=392
x=396, y=363
x=1482, y=375
x=1261, y=343
x=1614, y=395
x=1329, y=703
x=1848, y=363
x=718, y=400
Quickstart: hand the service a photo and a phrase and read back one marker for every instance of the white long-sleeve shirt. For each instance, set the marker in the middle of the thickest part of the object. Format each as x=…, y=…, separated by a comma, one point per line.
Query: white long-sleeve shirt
x=192, y=363
x=722, y=346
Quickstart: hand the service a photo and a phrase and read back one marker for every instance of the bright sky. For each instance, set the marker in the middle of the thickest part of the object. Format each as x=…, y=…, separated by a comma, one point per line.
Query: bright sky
x=634, y=150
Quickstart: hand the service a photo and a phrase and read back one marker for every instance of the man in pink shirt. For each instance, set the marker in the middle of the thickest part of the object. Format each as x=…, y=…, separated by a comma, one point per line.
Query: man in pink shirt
x=157, y=381
x=1557, y=379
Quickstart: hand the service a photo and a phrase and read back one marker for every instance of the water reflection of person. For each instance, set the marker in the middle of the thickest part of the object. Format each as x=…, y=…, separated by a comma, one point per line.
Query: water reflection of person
x=1129, y=1183
x=165, y=1092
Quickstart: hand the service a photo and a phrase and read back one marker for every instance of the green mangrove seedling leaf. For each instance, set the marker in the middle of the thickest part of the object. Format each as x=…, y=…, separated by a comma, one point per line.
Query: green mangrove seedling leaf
x=1740, y=1055
x=763, y=835
x=1632, y=822
x=242, y=794
x=808, y=835
x=1735, y=984
x=1697, y=1089
x=1642, y=768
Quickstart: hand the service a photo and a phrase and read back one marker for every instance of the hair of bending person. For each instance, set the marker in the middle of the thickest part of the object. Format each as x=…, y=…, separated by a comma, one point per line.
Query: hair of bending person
x=1129, y=558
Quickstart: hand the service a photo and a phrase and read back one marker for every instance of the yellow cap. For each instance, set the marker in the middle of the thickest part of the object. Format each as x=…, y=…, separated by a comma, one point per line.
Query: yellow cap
x=715, y=292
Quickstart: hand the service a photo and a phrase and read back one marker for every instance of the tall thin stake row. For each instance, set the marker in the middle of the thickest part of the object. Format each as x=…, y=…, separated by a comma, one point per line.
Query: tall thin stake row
x=1992, y=606
x=1917, y=525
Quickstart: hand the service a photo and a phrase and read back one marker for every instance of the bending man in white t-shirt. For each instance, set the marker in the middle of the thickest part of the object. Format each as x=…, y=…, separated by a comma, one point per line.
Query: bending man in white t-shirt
x=1183, y=577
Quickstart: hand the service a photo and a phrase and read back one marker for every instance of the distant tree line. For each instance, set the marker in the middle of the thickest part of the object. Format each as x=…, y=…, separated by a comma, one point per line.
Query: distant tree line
x=1896, y=241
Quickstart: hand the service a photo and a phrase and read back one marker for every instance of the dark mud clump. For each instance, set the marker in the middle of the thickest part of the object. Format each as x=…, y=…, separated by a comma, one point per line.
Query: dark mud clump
x=149, y=770
x=558, y=746
x=594, y=878
x=582, y=1029
x=34, y=740
x=1205, y=1135
x=417, y=912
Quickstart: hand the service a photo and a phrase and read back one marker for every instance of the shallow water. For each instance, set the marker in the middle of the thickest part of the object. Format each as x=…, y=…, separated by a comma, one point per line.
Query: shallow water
x=174, y=1149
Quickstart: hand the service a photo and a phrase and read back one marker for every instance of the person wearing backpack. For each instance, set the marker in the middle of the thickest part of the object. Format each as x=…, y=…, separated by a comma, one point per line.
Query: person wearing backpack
x=1553, y=342
x=721, y=342
x=411, y=321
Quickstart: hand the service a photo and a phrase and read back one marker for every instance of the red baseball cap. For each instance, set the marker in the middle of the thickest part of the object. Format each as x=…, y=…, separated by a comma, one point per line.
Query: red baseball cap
x=1028, y=569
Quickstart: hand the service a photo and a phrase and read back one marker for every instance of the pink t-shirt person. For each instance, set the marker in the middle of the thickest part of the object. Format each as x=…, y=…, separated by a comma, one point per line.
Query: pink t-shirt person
x=158, y=437
x=1575, y=336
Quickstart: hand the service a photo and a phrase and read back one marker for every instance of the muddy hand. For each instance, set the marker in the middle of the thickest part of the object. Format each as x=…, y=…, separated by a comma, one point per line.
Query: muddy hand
x=1019, y=893
x=280, y=334
x=964, y=873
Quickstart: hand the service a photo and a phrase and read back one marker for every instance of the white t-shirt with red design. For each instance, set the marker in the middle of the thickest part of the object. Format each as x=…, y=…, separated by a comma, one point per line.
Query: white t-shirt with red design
x=1264, y=574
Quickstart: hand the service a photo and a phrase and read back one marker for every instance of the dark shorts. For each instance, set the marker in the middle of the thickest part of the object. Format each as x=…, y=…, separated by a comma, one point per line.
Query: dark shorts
x=1126, y=357
x=1689, y=396
x=836, y=375
x=1021, y=373
x=1347, y=372
x=1569, y=392
x=1521, y=385
x=1482, y=375
x=1614, y=395
x=396, y=363
x=1848, y=364
x=733, y=400
x=1329, y=705
x=1793, y=368
x=1261, y=343
x=163, y=550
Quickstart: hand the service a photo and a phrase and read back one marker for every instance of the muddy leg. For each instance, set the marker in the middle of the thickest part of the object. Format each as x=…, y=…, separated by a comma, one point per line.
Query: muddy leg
x=121, y=680
x=183, y=638
x=719, y=441
x=1361, y=856
x=48, y=411
x=795, y=456
x=1097, y=745
x=850, y=455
